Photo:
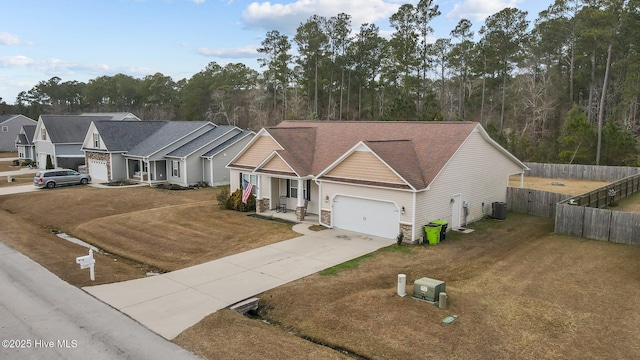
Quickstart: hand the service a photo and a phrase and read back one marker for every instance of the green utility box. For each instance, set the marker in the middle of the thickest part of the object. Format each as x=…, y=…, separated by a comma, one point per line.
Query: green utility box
x=428, y=289
x=432, y=233
x=443, y=229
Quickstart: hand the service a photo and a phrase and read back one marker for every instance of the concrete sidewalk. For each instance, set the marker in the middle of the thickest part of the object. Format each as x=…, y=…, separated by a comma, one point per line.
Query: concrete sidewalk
x=170, y=303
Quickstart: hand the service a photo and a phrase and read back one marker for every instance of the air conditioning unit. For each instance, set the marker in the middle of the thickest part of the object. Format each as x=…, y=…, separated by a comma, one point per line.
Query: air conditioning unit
x=428, y=289
x=499, y=210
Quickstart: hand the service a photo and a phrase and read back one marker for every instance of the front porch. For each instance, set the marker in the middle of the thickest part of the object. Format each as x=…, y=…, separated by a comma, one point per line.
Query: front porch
x=291, y=216
x=296, y=195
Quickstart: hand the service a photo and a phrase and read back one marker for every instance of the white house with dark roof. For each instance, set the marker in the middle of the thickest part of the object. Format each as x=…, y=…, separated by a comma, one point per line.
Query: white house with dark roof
x=60, y=137
x=161, y=151
x=10, y=126
x=24, y=143
x=378, y=178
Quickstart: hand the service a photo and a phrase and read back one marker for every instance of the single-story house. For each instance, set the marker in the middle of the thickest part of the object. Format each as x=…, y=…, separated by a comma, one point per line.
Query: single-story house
x=10, y=126
x=179, y=152
x=24, y=143
x=378, y=178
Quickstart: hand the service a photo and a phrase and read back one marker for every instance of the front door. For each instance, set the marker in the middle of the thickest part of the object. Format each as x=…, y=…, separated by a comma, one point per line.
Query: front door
x=455, y=211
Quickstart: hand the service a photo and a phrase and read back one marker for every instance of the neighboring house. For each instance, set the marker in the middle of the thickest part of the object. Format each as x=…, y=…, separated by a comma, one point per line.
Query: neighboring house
x=116, y=116
x=24, y=143
x=178, y=152
x=10, y=126
x=61, y=137
x=378, y=178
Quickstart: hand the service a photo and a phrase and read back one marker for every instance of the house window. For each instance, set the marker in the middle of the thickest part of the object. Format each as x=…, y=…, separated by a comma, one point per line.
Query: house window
x=175, y=168
x=5, y=129
x=292, y=189
x=251, y=178
x=96, y=140
x=43, y=133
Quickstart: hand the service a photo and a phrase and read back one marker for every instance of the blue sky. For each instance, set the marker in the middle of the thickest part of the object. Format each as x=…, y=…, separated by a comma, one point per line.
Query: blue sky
x=83, y=39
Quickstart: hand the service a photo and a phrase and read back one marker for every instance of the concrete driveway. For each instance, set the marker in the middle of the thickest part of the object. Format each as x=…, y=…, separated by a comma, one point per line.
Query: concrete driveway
x=170, y=303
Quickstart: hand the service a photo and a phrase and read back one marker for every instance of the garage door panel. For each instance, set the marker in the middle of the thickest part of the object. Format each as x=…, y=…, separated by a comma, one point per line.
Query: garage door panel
x=98, y=170
x=373, y=217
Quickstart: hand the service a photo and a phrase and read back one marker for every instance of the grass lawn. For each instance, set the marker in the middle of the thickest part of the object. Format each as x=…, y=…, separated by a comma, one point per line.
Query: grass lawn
x=630, y=204
x=559, y=186
x=8, y=154
x=142, y=229
x=17, y=180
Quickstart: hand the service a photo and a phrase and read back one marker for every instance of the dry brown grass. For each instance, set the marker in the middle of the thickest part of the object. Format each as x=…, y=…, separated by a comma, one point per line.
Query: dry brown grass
x=163, y=229
x=8, y=166
x=17, y=180
x=229, y=335
x=8, y=154
x=568, y=187
x=519, y=292
x=630, y=204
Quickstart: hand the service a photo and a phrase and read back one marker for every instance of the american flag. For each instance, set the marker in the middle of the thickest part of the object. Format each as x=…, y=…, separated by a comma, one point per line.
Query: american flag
x=248, y=187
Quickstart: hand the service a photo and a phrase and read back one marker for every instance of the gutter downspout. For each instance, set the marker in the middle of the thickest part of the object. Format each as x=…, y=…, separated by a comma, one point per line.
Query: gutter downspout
x=413, y=218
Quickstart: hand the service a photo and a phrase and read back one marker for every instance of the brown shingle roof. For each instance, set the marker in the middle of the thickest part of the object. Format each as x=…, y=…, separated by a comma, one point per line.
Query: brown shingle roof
x=417, y=151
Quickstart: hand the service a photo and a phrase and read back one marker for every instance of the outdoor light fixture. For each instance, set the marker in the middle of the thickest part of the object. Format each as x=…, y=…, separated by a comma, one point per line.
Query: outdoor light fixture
x=402, y=211
x=326, y=198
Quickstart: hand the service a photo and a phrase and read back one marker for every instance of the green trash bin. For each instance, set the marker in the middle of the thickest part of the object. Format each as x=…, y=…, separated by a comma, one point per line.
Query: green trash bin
x=432, y=233
x=443, y=230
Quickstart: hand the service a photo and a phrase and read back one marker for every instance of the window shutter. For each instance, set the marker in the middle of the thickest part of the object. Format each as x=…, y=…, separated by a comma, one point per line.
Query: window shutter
x=308, y=190
x=288, y=188
x=240, y=184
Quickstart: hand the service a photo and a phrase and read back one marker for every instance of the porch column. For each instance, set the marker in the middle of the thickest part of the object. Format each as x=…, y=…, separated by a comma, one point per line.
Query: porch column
x=258, y=187
x=522, y=179
x=148, y=172
x=300, y=205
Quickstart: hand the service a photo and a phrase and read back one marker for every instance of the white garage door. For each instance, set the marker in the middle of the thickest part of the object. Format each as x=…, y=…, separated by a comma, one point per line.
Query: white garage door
x=373, y=217
x=98, y=170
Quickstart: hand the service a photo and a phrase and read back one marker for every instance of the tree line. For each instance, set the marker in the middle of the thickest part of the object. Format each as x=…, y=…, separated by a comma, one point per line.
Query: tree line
x=565, y=88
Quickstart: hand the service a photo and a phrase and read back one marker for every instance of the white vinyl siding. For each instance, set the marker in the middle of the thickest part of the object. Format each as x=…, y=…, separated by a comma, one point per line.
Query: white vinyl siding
x=118, y=167
x=478, y=172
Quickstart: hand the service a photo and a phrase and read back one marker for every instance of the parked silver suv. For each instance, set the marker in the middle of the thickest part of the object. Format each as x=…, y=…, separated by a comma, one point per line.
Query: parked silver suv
x=57, y=177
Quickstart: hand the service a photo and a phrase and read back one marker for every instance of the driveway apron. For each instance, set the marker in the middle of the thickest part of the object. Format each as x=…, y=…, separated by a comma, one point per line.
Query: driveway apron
x=170, y=303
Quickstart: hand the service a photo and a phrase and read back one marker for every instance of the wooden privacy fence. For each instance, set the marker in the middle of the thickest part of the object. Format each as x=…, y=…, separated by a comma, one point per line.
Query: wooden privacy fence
x=598, y=224
x=580, y=172
x=533, y=202
x=581, y=215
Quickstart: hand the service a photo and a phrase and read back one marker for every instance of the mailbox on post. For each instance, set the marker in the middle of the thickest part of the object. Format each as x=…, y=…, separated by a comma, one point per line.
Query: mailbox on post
x=87, y=262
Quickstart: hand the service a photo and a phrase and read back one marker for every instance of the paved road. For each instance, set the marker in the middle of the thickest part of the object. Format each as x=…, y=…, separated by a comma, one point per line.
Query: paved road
x=172, y=302
x=43, y=317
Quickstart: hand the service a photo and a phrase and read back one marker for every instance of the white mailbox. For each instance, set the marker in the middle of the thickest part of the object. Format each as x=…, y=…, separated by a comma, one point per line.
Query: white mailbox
x=87, y=261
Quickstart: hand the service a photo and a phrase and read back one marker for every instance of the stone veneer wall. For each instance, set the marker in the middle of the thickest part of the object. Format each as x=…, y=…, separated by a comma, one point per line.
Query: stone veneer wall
x=100, y=157
x=300, y=213
x=325, y=217
x=262, y=205
x=406, y=230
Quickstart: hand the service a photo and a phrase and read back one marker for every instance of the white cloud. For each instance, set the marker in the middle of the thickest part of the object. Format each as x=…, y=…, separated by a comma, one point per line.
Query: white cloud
x=479, y=10
x=15, y=61
x=245, y=52
x=287, y=17
x=10, y=39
